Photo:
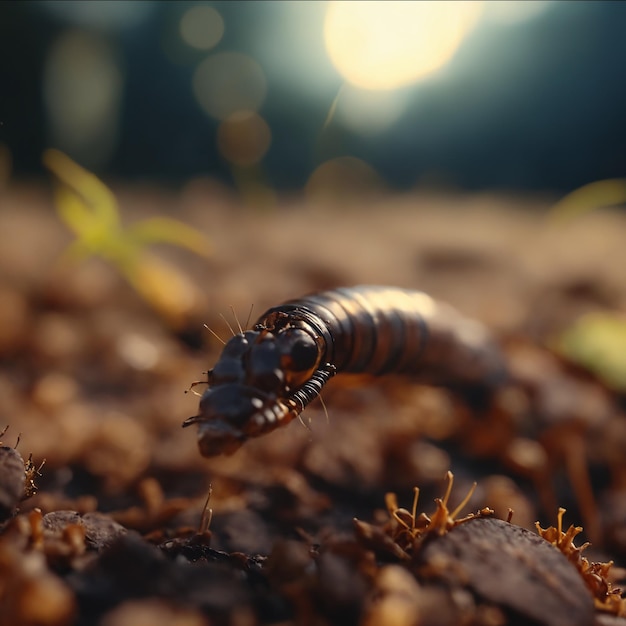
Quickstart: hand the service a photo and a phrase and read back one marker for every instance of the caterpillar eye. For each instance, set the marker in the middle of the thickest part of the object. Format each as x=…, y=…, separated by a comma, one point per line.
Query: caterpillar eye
x=300, y=352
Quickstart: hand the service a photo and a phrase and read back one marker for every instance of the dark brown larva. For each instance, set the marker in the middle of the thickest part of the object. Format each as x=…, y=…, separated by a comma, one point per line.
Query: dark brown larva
x=265, y=377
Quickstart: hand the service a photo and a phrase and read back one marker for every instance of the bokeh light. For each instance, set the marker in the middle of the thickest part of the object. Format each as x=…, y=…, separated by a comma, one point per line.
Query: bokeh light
x=386, y=45
x=82, y=90
x=530, y=97
x=368, y=112
x=229, y=82
x=513, y=11
x=201, y=27
x=243, y=138
x=342, y=178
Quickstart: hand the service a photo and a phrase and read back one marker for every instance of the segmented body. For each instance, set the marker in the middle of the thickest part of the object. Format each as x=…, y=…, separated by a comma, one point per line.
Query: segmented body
x=267, y=376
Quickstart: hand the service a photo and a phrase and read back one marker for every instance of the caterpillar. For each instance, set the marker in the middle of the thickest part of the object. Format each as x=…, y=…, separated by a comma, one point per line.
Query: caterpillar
x=265, y=377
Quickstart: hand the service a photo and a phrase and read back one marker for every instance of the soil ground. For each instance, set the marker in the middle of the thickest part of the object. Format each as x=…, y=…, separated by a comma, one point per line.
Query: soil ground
x=92, y=379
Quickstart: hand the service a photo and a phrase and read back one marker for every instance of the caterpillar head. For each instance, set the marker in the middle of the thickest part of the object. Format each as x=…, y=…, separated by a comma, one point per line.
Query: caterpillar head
x=250, y=386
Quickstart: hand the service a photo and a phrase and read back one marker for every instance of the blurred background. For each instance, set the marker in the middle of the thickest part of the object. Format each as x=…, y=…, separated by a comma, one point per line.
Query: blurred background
x=472, y=150
x=462, y=95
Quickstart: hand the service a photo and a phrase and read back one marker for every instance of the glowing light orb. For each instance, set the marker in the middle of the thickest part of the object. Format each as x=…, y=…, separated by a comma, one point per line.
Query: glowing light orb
x=82, y=90
x=201, y=27
x=368, y=112
x=385, y=45
x=243, y=138
x=514, y=11
x=228, y=82
x=342, y=179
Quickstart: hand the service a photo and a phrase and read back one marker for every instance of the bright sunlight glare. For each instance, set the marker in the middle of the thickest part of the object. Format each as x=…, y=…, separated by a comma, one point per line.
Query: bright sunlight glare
x=389, y=44
x=516, y=11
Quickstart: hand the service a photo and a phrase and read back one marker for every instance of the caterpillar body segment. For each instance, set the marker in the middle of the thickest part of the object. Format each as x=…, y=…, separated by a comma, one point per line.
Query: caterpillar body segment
x=265, y=377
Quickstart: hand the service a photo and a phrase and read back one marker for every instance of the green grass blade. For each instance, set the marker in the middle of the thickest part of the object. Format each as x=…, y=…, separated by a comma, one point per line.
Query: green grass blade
x=167, y=230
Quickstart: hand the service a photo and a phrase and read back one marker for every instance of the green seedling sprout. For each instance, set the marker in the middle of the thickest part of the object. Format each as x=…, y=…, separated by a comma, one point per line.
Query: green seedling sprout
x=596, y=341
x=90, y=210
x=596, y=195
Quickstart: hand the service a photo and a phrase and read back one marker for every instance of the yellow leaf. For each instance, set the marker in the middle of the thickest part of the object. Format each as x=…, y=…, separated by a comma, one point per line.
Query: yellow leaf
x=72, y=211
x=89, y=208
x=97, y=196
x=167, y=230
x=602, y=193
x=597, y=341
x=166, y=289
